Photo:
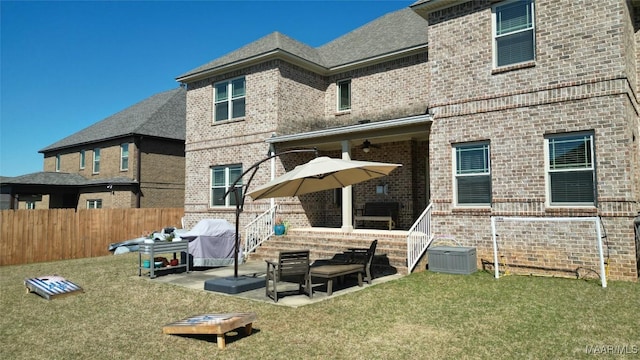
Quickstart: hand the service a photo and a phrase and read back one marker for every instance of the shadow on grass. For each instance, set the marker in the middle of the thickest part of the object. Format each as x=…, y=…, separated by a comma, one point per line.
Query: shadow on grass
x=230, y=337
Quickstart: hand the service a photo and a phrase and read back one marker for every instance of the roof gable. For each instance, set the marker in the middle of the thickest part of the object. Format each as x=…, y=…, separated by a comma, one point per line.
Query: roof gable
x=263, y=46
x=398, y=31
x=161, y=115
x=390, y=33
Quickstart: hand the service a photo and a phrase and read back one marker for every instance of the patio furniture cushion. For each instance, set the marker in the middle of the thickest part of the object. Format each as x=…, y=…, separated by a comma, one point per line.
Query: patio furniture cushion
x=332, y=271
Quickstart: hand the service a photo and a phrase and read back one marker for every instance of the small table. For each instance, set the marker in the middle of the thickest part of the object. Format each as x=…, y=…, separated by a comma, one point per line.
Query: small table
x=207, y=324
x=162, y=247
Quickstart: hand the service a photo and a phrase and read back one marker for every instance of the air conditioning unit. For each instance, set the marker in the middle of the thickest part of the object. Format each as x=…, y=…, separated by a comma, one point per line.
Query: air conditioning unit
x=452, y=259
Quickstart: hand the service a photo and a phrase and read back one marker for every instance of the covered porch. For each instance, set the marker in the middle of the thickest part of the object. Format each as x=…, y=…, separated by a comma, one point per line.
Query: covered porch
x=325, y=221
x=402, y=141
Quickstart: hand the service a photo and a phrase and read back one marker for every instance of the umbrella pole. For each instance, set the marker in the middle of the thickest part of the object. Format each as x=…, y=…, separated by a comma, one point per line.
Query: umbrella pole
x=240, y=202
x=235, y=250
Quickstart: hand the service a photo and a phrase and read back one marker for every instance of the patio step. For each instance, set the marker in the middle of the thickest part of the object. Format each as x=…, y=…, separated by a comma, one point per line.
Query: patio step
x=390, y=255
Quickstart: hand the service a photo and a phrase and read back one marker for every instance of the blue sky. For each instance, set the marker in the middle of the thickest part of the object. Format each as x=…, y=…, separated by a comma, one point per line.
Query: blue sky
x=65, y=65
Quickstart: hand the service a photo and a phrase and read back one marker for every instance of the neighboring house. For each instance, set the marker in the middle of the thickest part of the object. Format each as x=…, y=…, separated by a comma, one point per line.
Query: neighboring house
x=132, y=159
x=506, y=108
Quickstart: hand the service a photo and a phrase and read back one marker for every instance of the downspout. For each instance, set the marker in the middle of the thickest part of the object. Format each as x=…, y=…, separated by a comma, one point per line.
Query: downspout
x=137, y=141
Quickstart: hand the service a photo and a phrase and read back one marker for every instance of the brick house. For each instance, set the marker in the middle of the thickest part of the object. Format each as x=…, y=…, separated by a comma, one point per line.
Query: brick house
x=494, y=109
x=132, y=159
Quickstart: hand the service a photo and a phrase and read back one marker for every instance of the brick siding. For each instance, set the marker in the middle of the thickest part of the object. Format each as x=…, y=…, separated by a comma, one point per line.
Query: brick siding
x=583, y=79
x=576, y=84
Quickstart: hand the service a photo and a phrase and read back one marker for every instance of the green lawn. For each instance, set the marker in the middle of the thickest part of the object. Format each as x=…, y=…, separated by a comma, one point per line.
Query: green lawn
x=421, y=316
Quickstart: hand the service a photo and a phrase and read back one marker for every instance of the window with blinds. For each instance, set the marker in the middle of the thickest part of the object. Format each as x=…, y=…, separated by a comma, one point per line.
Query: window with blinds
x=514, y=32
x=570, y=169
x=472, y=174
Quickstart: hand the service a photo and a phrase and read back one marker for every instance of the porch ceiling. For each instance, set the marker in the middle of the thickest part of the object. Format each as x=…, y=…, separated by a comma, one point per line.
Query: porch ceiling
x=410, y=128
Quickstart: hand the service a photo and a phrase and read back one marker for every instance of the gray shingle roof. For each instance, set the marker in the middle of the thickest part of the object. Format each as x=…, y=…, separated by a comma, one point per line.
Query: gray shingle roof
x=262, y=46
x=161, y=115
x=59, y=178
x=396, y=31
x=390, y=33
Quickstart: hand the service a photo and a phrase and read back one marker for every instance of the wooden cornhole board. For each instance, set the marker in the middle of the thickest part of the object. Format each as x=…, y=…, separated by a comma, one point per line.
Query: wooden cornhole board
x=51, y=287
x=208, y=324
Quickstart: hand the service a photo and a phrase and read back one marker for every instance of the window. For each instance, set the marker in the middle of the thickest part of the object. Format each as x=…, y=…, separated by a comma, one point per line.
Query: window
x=58, y=162
x=124, y=157
x=571, y=171
x=96, y=160
x=229, y=99
x=344, y=95
x=30, y=205
x=514, y=32
x=94, y=204
x=82, y=159
x=222, y=177
x=472, y=174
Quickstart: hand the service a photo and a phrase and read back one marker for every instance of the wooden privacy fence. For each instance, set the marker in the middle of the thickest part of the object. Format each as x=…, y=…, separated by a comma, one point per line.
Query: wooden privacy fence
x=30, y=236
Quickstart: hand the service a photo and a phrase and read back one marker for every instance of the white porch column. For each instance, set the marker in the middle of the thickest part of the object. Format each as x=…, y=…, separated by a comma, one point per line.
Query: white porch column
x=347, y=195
x=273, y=173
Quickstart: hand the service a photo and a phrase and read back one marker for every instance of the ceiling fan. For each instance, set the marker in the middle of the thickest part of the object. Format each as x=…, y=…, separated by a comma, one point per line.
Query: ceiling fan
x=367, y=145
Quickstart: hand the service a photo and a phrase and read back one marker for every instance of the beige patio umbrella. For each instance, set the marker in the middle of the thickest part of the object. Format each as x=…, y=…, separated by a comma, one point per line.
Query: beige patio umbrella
x=322, y=173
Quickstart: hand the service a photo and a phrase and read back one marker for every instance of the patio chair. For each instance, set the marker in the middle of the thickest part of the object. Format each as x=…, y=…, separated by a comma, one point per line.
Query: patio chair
x=362, y=256
x=292, y=266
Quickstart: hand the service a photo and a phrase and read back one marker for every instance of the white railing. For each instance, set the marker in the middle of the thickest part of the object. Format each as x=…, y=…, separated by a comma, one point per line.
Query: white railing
x=259, y=230
x=419, y=238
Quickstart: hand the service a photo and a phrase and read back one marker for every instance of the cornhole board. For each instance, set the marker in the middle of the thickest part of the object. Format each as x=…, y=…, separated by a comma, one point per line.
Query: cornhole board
x=208, y=324
x=51, y=287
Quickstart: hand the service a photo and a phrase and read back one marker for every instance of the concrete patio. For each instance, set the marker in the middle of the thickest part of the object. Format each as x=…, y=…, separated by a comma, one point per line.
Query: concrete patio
x=195, y=279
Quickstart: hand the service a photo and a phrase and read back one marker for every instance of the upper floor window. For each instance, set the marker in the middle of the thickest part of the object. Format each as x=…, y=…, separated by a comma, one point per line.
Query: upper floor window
x=96, y=160
x=344, y=95
x=570, y=169
x=58, y=162
x=222, y=177
x=472, y=182
x=124, y=157
x=82, y=159
x=229, y=99
x=513, y=32
x=94, y=204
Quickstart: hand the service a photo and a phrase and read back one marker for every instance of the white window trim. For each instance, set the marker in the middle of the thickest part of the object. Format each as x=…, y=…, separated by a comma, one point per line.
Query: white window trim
x=494, y=43
x=454, y=174
x=94, y=202
x=548, y=171
x=227, y=181
x=82, y=159
x=122, y=157
x=338, y=96
x=95, y=160
x=229, y=100
x=57, y=162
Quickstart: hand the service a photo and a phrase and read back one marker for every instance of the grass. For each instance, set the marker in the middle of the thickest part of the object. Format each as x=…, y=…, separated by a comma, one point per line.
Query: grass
x=424, y=315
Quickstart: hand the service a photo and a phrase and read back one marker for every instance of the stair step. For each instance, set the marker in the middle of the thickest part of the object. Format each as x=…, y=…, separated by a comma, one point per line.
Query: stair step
x=390, y=253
